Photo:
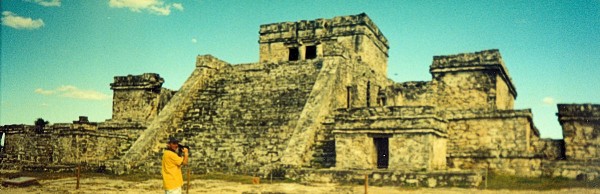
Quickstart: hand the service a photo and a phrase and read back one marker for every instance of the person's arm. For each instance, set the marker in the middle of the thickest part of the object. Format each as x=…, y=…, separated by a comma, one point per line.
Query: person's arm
x=185, y=156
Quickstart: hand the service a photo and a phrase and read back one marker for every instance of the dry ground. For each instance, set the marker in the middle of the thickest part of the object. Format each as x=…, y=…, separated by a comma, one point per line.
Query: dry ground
x=108, y=185
x=111, y=185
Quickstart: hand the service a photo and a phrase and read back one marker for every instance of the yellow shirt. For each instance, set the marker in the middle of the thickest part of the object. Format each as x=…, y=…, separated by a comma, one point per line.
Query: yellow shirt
x=171, y=170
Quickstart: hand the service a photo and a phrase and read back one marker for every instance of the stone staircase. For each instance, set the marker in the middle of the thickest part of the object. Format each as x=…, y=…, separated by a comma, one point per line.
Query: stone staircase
x=144, y=154
x=242, y=120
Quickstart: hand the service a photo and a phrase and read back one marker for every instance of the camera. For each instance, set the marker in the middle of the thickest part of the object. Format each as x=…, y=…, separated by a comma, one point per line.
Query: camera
x=180, y=150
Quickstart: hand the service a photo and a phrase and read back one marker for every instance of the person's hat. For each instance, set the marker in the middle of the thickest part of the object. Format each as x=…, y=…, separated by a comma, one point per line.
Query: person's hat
x=173, y=140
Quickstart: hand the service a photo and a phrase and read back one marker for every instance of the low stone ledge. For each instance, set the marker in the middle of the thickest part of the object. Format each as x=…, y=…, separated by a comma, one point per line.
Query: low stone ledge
x=580, y=170
x=394, y=178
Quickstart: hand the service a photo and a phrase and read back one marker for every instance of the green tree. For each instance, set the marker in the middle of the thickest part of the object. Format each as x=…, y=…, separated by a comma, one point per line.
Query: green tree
x=40, y=124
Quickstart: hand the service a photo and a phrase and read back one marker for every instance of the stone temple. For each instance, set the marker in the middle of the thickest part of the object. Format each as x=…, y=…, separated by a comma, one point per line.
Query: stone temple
x=318, y=106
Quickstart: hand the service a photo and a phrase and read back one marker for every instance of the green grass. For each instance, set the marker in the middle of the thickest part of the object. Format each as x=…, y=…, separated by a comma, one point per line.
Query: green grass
x=498, y=181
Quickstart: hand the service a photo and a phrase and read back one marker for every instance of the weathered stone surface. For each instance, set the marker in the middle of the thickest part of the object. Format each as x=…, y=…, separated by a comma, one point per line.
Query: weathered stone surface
x=319, y=98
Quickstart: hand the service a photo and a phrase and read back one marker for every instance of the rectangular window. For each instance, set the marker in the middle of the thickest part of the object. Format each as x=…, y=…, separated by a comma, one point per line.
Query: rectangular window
x=294, y=54
x=348, y=97
x=311, y=52
x=368, y=93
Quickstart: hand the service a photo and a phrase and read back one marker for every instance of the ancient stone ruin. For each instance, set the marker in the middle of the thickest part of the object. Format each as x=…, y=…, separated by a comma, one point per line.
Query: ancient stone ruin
x=319, y=107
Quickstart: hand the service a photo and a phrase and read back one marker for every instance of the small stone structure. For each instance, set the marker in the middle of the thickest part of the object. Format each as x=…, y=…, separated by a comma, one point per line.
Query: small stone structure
x=319, y=107
x=581, y=128
x=138, y=98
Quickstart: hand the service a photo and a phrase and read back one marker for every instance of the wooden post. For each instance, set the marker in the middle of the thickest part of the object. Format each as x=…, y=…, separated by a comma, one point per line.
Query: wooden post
x=486, y=176
x=187, y=190
x=366, y=183
x=78, y=175
x=271, y=175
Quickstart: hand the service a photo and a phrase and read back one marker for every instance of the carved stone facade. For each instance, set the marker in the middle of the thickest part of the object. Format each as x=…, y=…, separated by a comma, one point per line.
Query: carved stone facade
x=319, y=104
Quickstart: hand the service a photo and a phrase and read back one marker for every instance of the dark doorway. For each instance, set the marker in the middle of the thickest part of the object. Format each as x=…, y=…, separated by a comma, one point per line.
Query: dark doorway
x=294, y=54
x=311, y=52
x=382, y=147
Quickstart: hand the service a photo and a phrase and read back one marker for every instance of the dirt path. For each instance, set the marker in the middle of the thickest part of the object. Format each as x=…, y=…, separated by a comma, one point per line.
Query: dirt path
x=107, y=185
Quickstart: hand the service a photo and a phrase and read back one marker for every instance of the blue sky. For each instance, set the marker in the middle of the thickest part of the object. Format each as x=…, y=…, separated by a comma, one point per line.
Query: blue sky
x=59, y=57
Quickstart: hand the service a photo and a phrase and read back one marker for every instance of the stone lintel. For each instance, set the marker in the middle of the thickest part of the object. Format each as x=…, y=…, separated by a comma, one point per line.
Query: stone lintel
x=386, y=111
x=490, y=156
x=398, y=130
x=487, y=114
x=477, y=61
x=374, y=118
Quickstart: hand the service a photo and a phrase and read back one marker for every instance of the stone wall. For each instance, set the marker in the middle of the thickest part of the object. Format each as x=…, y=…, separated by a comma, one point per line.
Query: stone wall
x=581, y=130
x=502, y=141
x=93, y=147
x=464, y=90
x=505, y=100
x=550, y=149
x=429, y=149
x=412, y=94
x=66, y=144
x=355, y=151
x=23, y=146
x=490, y=133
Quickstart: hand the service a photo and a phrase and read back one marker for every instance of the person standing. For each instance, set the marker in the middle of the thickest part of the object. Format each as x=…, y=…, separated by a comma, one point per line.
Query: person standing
x=171, y=167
